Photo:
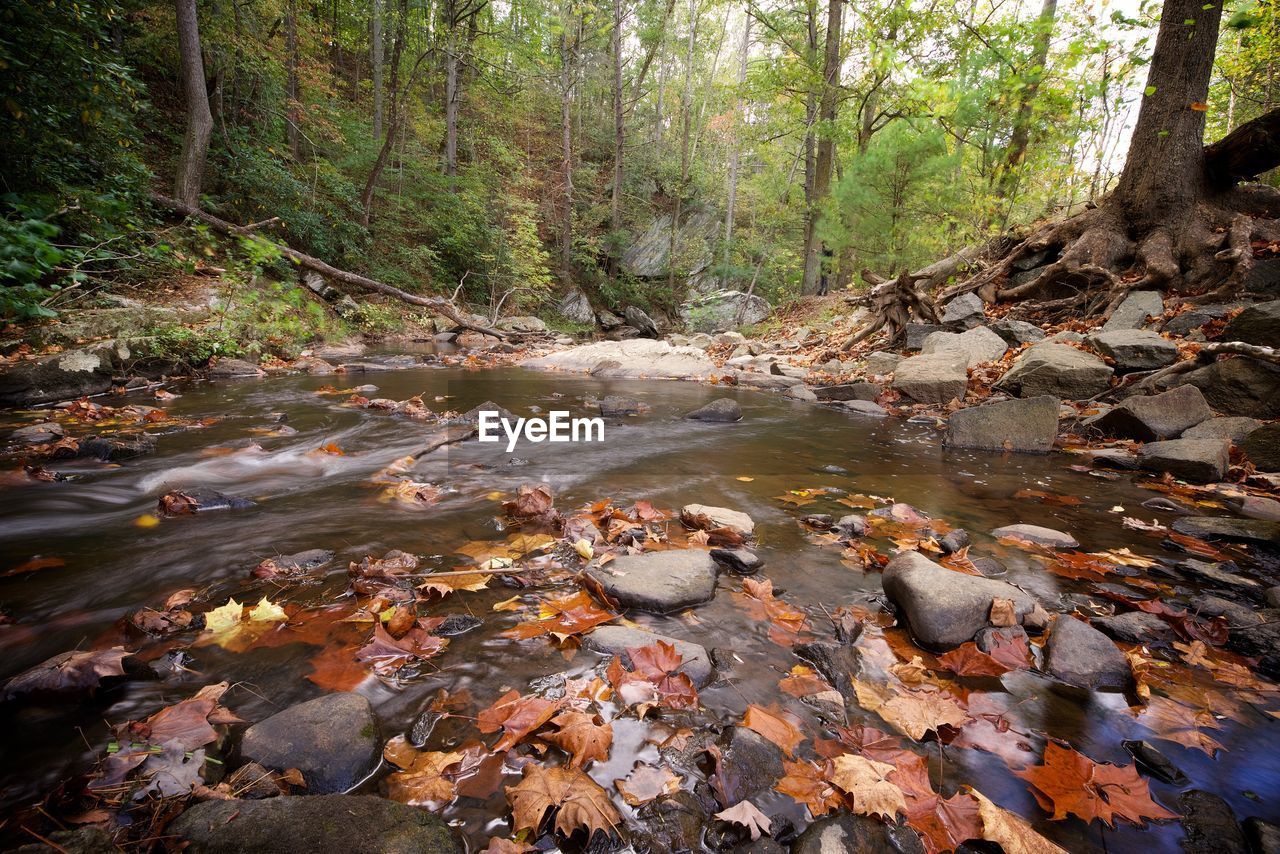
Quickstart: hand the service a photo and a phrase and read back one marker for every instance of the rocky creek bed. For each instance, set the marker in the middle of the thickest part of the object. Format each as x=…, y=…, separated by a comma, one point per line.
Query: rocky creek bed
x=235, y=609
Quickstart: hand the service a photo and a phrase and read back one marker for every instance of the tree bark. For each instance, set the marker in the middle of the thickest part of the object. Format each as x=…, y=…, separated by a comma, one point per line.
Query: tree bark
x=686, y=120
x=619, y=124
x=735, y=143
x=814, y=279
x=451, y=106
x=1021, y=135
x=195, y=143
x=567, y=71
x=393, y=122
x=292, y=115
x=376, y=60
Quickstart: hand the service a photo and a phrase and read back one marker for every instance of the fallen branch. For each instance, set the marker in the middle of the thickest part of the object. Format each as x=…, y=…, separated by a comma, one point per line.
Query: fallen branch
x=1207, y=354
x=436, y=304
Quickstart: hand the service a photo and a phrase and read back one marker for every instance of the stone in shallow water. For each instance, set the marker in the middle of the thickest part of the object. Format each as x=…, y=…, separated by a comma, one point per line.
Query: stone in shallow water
x=616, y=640
x=1259, y=531
x=1082, y=656
x=614, y=406
x=738, y=561
x=848, y=391
x=1193, y=460
x=659, y=582
x=1029, y=425
x=865, y=408
x=720, y=517
x=1133, y=627
x=1210, y=825
x=724, y=410
x=1039, y=535
x=857, y=834
x=333, y=740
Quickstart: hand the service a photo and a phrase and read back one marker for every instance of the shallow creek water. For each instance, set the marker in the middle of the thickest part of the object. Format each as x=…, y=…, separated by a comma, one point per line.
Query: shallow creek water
x=308, y=500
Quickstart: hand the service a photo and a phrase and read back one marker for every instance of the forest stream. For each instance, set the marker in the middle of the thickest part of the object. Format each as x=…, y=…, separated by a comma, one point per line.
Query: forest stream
x=321, y=472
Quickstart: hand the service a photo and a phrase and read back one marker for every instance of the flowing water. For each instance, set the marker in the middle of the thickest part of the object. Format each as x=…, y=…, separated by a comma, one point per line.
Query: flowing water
x=312, y=500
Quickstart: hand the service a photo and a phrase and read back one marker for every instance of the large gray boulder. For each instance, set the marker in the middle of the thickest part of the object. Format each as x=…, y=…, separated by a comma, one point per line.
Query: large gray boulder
x=1192, y=460
x=66, y=376
x=1158, y=416
x=1257, y=324
x=1134, y=349
x=659, y=582
x=1262, y=447
x=721, y=310
x=915, y=333
x=1056, y=369
x=574, y=306
x=616, y=640
x=352, y=824
x=641, y=322
x=944, y=608
x=1082, y=656
x=937, y=378
x=1017, y=332
x=1233, y=428
x=977, y=345
x=1260, y=531
x=333, y=740
x=634, y=359
x=963, y=312
x=1239, y=386
x=1134, y=310
x=1029, y=425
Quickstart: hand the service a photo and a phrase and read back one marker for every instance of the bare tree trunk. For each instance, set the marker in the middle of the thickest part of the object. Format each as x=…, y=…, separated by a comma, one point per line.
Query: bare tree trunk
x=393, y=118
x=734, y=143
x=619, y=123
x=1017, y=150
x=292, y=116
x=195, y=144
x=567, y=51
x=376, y=45
x=814, y=278
x=686, y=117
x=451, y=107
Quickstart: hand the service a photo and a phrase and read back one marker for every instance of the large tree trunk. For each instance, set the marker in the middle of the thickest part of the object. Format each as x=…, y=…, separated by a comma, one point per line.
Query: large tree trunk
x=815, y=253
x=451, y=108
x=195, y=144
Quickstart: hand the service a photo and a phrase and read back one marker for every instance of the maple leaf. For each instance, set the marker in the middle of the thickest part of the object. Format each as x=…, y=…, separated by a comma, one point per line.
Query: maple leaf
x=422, y=778
x=1071, y=783
x=654, y=678
x=584, y=737
x=803, y=681
x=1009, y=831
x=746, y=814
x=968, y=660
x=867, y=784
x=917, y=713
x=806, y=783
x=67, y=671
x=388, y=653
x=777, y=726
x=516, y=716
x=646, y=782
x=785, y=622
x=530, y=502
x=1172, y=721
x=870, y=742
x=563, y=618
x=577, y=800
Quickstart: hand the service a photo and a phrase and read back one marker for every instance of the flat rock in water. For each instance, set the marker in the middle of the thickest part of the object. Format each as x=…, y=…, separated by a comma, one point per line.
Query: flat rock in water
x=801, y=392
x=659, y=582
x=1028, y=425
x=977, y=345
x=1017, y=332
x=738, y=561
x=116, y=448
x=234, y=369
x=936, y=378
x=1158, y=416
x=845, y=833
x=68, y=375
x=614, y=406
x=1082, y=656
x=1263, y=836
x=1134, y=349
x=1232, y=428
x=945, y=608
x=863, y=407
x=1223, y=574
x=1192, y=460
x=720, y=517
x=1210, y=825
x=635, y=358
x=1039, y=535
x=1258, y=531
x=724, y=410
x=352, y=824
x=1134, y=311
x=1262, y=447
x=616, y=640
x=1237, y=615
x=472, y=415
x=848, y=391
x=38, y=434
x=201, y=500
x=1239, y=386
x=1257, y=324
x=749, y=764
x=333, y=740
x=1059, y=370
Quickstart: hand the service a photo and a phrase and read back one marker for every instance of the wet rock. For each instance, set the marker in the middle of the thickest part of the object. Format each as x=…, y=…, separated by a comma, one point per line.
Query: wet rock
x=1257, y=324
x=1017, y=332
x=1210, y=825
x=857, y=834
x=614, y=406
x=225, y=369
x=1133, y=627
x=294, y=564
x=750, y=379
x=990, y=567
x=1082, y=656
x=915, y=333
x=314, y=366
x=977, y=345
x=38, y=434
x=881, y=363
x=1116, y=458
x=986, y=639
x=631, y=359
x=616, y=640
x=839, y=663
x=1059, y=370
x=82, y=840
x=673, y=823
x=1236, y=615
x=852, y=525
x=749, y=763
x=1158, y=416
x=848, y=391
x=1028, y=424
x=964, y=312
x=1192, y=460
x=865, y=408
x=659, y=582
x=1134, y=311
x=954, y=541
x=738, y=561
x=1168, y=505
x=1273, y=596
x=68, y=375
x=116, y=448
x=200, y=499
x=937, y=378
x=333, y=740
x=1155, y=763
x=1262, y=447
x=1224, y=574
x=1227, y=528
x=1039, y=535
x=638, y=320
x=1240, y=386
x=472, y=416
x=1134, y=349
x=720, y=517
x=1256, y=507
x=1261, y=641
x=801, y=392
x=457, y=624
x=352, y=824
x=1263, y=836
x=724, y=410
x=821, y=521
x=944, y=608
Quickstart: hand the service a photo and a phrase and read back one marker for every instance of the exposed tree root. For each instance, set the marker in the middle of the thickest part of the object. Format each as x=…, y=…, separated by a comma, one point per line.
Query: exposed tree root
x=892, y=304
x=1207, y=354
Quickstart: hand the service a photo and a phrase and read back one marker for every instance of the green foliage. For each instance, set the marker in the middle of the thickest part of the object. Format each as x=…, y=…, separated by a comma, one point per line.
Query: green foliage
x=373, y=318
x=192, y=345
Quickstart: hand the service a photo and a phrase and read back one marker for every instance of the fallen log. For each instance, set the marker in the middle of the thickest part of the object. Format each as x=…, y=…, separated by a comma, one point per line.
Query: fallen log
x=439, y=305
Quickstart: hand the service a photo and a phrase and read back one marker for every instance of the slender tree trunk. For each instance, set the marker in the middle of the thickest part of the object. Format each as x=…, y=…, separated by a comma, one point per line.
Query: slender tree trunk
x=686, y=116
x=393, y=116
x=292, y=116
x=734, y=142
x=619, y=123
x=195, y=144
x=1021, y=136
x=451, y=107
x=814, y=279
x=376, y=45
x=566, y=142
